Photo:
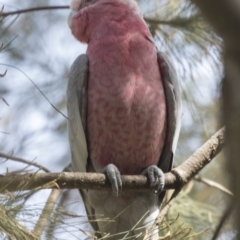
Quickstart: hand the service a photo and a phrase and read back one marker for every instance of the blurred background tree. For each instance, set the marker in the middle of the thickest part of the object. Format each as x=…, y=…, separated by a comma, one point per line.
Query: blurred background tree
x=39, y=50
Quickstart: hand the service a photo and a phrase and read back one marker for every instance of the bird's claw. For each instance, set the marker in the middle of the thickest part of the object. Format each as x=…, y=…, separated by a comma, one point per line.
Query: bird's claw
x=156, y=177
x=114, y=176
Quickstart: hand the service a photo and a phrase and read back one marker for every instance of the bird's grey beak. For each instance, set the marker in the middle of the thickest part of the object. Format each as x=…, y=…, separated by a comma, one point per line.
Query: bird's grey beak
x=70, y=17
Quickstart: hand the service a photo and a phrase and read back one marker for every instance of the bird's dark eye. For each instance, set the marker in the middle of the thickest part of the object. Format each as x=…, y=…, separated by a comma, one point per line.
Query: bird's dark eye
x=88, y=1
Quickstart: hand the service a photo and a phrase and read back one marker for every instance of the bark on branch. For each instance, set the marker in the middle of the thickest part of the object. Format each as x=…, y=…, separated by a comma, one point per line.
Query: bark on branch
x=177, y=177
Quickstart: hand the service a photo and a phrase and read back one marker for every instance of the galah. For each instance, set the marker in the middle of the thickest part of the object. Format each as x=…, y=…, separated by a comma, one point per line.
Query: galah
x=124, y=111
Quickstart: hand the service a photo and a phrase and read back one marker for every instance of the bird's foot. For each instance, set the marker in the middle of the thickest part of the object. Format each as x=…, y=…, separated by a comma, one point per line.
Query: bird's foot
x=156, y=178
x=114, y=176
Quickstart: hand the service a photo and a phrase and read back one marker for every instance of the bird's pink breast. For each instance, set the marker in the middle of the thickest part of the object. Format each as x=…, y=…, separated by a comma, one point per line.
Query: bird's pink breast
x=126, y=104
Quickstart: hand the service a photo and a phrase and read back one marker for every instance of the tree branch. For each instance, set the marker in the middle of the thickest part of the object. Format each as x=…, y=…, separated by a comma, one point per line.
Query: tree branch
x=21, y=160
x=46, y=213
x=213, y=184
x=27, y=10
x=203, y=156
x=174, y=179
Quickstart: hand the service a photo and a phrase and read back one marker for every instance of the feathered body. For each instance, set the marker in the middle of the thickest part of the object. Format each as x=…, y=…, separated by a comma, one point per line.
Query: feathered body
x=126, y=97
x=126, y=102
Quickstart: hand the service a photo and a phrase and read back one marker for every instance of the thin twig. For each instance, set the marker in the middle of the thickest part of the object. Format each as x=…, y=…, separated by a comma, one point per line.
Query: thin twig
x=4, y=47
x=213, y=184
x=43, y=8
x=4, y=74
x=35, y=85
x=21, y=160
x=5, y=101
x=5, y=133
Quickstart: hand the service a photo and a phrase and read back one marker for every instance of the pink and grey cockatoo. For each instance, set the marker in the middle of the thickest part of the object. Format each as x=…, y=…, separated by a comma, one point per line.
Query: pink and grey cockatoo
x=124, y=111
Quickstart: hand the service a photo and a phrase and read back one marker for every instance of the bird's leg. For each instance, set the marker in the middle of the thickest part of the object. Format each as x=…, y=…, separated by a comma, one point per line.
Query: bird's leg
x=114, y=176
x=156, y=177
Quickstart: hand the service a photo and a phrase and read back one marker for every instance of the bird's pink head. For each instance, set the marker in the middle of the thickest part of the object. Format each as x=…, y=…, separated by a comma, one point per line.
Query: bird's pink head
x=89, y=17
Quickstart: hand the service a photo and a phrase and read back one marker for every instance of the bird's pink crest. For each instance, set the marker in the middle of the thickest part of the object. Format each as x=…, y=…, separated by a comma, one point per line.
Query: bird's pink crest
x=91, y=16
x=75, y=5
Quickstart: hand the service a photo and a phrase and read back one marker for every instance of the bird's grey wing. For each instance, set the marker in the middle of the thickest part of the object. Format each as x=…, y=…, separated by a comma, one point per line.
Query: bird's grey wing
x=77, y=107
x=77, y=117
x=174, y=111
x=174, y=114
